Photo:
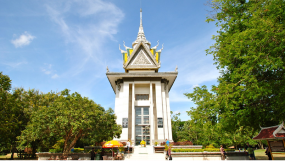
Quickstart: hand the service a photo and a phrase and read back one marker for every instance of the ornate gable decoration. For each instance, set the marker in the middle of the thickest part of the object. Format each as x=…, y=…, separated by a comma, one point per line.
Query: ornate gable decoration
x=141, y=59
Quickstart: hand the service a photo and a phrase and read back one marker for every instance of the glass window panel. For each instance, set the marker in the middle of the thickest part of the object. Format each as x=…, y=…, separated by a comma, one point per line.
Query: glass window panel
x=138, y=140
x=138, y=130
x=160, y=122
x=146, y=130
x=146, y=120
x=138, y=111
x=125, y=123
x=142, y=96
x=145, y=111
x=138, y=120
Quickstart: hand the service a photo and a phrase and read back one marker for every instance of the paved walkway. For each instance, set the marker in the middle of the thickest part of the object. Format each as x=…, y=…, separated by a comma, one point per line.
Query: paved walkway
x=144, y=153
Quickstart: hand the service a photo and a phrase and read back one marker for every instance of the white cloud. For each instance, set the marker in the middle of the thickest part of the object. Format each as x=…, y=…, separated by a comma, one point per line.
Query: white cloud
x=101, y=20
x=195, y=67
x=23, y=40
x=14, y=64
x=47, y=69
x=175, y=96
x=195, y=86
x=54, y=76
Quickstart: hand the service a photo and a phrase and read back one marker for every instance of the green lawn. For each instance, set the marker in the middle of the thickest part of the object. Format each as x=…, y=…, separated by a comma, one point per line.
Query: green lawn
x=260, y=155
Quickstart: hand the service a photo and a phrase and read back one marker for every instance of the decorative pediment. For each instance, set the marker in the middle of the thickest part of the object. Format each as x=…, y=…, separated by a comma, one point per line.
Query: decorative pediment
x=141, y=58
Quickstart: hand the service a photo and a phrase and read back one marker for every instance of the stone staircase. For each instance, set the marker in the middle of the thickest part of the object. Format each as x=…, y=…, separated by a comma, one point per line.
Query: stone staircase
x=144, y=153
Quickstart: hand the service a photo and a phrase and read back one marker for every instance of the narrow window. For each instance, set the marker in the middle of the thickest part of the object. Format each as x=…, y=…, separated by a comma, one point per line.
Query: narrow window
x=142, y=97
x=125, y=123
x=160, y=122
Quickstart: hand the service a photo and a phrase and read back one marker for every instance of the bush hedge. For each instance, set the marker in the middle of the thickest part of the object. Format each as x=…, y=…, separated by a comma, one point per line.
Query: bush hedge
x=178, y=143
x=200, y=150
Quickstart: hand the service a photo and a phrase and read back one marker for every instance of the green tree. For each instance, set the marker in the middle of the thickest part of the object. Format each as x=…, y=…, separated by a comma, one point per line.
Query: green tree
x=249, y=52
x=206, y=126
x=70, y=117
x=177, y=126
x=203, y=128
x=12, y=117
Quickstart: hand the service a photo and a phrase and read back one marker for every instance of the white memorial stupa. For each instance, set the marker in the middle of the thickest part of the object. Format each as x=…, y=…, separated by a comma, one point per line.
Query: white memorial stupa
x=142, y=93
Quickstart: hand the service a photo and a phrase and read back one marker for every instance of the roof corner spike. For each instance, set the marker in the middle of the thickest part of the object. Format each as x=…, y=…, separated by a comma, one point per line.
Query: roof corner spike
x=156, y=45
x=126, y=46
x=122, y=51
x=160, y=49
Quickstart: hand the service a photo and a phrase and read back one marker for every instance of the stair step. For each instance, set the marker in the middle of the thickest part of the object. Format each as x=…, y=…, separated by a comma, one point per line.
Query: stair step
x=144, y=153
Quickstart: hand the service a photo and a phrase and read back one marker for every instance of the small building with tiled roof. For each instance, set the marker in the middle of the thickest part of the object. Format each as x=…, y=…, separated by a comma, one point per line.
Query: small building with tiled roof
x=273, y=132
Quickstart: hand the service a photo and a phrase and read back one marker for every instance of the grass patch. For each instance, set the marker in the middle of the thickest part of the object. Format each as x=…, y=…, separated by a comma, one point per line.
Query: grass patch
x=260, y=155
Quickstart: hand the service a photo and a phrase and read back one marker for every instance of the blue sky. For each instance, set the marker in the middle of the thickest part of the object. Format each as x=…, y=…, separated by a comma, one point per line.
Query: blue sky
x=53, y=45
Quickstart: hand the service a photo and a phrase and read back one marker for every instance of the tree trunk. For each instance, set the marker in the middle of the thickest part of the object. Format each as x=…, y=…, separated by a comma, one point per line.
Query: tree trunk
x=68, y=148
x=12, y=152
x=260, y=144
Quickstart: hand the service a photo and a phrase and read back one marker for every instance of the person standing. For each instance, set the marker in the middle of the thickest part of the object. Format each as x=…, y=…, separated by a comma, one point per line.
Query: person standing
x=267, y=152
x=167, y=142
x=128, y=145
x=169, y=153
x=222, y=150
x=102, y=154
x=251, y=153
x=92, y=154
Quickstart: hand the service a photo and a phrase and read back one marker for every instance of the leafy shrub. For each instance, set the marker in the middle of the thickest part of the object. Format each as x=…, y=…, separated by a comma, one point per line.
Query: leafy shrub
x=99, y=143
x=165, y=147
x=155, y=143
x=183, y=143
x=230, y=150
x=199, y=150
x=211, y=146
x=55, y=150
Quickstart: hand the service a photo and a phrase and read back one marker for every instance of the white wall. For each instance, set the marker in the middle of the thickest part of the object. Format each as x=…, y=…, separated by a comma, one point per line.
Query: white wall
x=162, y=106
x=121, y=107
x=160, y=132
x=142, y=88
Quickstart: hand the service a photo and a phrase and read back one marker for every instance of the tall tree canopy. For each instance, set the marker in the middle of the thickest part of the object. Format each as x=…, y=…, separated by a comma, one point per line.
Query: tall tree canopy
x=249, y=52
x=70, y=117
x=205, y=126
x=43, y=120
x=12, y=117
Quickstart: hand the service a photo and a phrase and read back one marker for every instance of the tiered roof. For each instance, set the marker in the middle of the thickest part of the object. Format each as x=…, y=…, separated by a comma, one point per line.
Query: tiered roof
x=141, y=56
x=273, y=132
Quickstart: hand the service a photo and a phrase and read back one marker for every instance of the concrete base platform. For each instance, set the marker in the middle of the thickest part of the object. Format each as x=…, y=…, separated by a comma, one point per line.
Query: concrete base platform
x=144, y=153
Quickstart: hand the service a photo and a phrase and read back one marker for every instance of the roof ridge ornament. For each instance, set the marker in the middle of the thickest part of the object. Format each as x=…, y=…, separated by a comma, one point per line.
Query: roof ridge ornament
x=122, y=51
x=126, y=46
x=156, y=45
x=160, y=49
x=141, y=36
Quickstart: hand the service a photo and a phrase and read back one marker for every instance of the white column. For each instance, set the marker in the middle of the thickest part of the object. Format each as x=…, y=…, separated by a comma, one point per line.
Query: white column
x=117, y=104
x=165, y=127
x=158, y=87
x=133, y=114
x=151, y=114
x=168, y=114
